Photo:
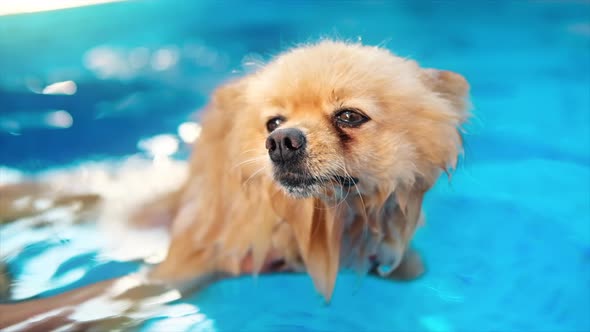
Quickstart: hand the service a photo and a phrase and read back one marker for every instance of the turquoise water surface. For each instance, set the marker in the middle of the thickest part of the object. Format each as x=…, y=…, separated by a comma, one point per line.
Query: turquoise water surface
x=507, y=241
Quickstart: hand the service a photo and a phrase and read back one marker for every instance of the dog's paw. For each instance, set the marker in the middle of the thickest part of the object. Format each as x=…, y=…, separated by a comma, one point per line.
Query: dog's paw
x=410, y=268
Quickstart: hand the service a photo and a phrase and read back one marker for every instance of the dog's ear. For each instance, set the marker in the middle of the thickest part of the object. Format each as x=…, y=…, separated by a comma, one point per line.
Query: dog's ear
x=437, y=133
x=450, y=86
x=226, y=96
x=218, y=115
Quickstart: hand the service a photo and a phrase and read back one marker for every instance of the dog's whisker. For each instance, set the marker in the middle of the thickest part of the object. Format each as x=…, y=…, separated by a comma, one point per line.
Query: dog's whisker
x=341, y=182
x=348, y=188
x=366, y=217
x=250, y=161
x=254, y=174
x=249, y=150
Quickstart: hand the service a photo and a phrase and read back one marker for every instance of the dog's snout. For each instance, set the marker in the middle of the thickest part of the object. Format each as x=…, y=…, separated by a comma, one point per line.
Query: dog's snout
x=285, y=144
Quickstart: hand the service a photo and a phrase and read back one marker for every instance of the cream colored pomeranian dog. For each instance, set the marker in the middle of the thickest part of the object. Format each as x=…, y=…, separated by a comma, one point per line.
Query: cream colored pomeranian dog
x=316, y=162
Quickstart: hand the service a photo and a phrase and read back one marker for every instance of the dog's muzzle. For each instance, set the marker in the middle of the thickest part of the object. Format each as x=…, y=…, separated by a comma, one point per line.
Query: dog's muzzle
x=287, y=151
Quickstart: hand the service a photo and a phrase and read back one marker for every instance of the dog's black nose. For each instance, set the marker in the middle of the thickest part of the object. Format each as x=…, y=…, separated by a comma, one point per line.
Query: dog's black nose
x=285, y=144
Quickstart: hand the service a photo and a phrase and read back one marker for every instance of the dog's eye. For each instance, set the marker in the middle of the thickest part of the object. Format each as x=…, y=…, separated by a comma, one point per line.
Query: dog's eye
x=351, y=118
x=274, y=123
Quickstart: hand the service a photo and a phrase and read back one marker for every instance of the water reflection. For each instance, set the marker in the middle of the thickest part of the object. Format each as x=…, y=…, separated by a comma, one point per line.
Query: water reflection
x=32, y=6
x=107, y=62
x=16, y=123
x=164, y=58
x=64, y=88
x=189, y=131
x=160, y=146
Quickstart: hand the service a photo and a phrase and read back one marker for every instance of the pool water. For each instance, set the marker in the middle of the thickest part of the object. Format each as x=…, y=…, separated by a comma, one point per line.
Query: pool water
x=507, y=241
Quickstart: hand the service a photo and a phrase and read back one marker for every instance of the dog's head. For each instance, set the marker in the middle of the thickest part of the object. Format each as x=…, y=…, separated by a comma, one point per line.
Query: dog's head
x=335, y=117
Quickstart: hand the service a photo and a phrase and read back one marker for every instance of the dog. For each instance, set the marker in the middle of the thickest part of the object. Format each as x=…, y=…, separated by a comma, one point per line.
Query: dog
x=315, y=162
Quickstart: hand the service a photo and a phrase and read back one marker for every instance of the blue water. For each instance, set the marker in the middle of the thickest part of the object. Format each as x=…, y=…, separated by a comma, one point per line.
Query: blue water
x=507, y=242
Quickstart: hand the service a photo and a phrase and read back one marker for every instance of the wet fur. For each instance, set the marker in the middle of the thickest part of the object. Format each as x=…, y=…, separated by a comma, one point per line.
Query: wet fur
x=412, y=137
x=231, y=217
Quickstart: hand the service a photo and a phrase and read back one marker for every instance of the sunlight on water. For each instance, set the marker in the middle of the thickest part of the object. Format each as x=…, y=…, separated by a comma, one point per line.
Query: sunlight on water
x=159, y=147
x=189, y=131
x=17, y=122
x=65, y=87
x=8, y=7
x=164, y=59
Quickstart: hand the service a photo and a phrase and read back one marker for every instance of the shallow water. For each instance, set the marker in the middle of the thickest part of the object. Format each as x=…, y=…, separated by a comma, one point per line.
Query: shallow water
x=507, y=242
